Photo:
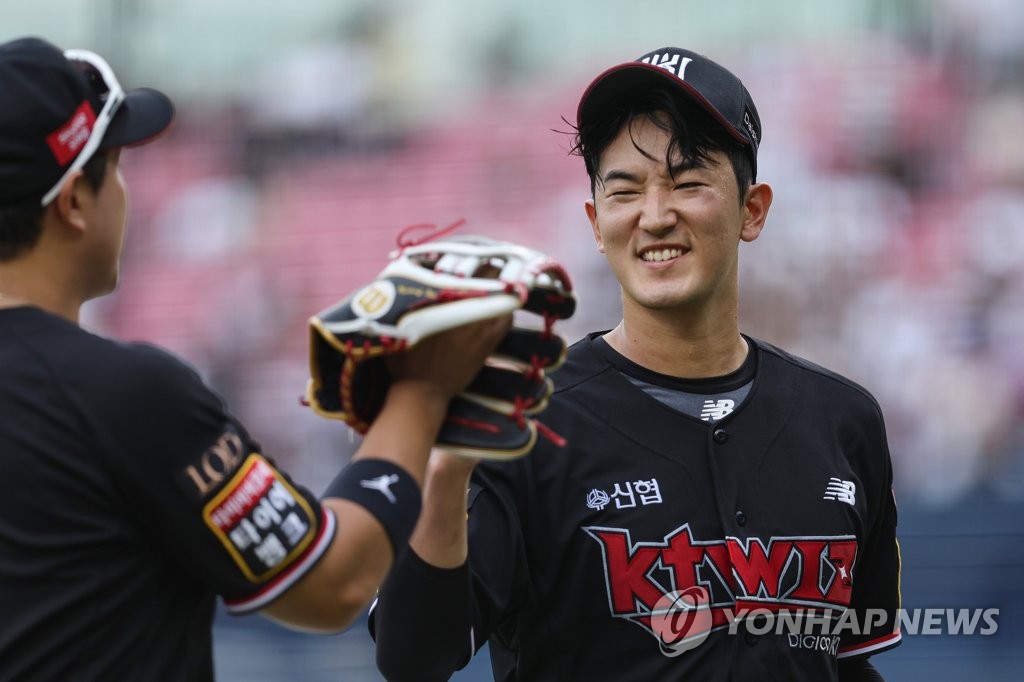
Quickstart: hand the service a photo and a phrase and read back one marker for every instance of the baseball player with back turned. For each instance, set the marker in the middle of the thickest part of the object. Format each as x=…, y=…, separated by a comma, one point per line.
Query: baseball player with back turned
x=130, y=498
x=723, y=510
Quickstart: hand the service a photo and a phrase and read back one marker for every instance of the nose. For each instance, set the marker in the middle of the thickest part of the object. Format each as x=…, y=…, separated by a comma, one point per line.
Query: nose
x=656, y=214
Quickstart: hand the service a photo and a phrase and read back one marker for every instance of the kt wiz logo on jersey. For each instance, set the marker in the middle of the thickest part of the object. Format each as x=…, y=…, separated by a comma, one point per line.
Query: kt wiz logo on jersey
x=782, y=573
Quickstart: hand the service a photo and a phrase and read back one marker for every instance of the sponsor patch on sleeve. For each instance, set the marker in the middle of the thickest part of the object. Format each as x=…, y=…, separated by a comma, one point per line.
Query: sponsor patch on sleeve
x=262, y=521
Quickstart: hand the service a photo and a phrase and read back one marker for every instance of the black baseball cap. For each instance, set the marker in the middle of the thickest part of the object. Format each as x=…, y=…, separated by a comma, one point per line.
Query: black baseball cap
x=60, y=107
x=705, y=82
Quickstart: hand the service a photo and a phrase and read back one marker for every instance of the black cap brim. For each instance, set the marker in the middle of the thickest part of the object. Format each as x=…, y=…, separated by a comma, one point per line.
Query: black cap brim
x=144, y=114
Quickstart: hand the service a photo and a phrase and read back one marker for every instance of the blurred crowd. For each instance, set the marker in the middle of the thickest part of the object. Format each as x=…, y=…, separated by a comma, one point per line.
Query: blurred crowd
x=894, y=252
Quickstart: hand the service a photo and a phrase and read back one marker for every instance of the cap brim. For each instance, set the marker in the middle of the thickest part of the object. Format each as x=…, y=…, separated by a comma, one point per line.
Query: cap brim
x=625, y=80
x=143, y=115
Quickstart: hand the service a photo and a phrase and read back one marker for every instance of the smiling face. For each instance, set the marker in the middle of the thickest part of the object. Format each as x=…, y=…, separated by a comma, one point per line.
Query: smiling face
x=671, y=235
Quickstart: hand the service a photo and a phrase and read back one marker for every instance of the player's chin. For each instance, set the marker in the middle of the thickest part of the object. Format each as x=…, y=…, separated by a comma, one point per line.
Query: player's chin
x=665, y=299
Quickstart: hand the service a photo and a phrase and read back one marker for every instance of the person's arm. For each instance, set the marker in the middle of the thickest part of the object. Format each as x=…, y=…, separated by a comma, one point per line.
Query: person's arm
x=875, y=596
x=441, y=538
x=346, y=578
x=423, y=618
x=431, y=619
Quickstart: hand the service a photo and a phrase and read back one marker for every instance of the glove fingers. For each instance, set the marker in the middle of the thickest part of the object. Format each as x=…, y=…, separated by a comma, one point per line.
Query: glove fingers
x=370, y=381
x=324, y=392
x=551, y=292
x=473, y=430
x=501, y=387
x=553, y=303
x=523, y=345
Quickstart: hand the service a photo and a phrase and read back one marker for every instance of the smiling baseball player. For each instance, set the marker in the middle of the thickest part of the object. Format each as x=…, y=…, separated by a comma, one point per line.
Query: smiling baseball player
x=722, y=509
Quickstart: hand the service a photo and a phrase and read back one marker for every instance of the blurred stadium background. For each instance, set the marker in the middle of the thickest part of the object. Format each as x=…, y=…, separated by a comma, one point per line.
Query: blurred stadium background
x=309, y=133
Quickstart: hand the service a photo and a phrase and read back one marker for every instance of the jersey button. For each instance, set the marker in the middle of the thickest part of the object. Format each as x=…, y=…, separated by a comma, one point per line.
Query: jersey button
x=741, y=518
x=720, y=436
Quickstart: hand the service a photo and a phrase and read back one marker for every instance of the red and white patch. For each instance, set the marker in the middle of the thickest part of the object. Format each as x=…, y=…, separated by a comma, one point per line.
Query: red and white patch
x=67, y=141
x=262, y=521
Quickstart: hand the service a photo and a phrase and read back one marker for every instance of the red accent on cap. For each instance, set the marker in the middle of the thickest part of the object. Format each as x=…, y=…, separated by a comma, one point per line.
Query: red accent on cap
x=65, y=142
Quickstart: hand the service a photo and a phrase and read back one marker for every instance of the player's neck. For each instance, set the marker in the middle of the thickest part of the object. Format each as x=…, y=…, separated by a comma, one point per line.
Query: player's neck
x=686, y=348
x=26, y=283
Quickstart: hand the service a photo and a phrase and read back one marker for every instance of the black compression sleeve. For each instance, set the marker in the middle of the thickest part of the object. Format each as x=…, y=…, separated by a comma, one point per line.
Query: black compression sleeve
x=858, y=670
x=422, y=622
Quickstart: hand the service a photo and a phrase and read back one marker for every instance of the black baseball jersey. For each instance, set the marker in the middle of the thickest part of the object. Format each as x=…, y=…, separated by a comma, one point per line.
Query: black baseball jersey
x=661, y=546
x=129, y=499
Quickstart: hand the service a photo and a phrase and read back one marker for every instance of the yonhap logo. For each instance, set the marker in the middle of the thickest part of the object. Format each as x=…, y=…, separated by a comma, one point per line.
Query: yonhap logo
x=682, y=620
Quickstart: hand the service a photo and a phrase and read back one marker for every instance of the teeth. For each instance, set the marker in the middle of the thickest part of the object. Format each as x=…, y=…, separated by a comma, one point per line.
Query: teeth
x=662, y=254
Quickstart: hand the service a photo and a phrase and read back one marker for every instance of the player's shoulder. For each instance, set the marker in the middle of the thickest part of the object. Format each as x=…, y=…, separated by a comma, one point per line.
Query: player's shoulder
x=126, y=364
x=780, y=364
x=71, y=350
x=156, y=378
x=92, y=362
x=584, y=362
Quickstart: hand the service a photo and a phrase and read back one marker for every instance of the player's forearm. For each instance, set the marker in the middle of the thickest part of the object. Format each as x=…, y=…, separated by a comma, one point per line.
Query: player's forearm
x=422, y=622
x=440, y=538
x=424, y=619
x=372, y=506
x=344, y=580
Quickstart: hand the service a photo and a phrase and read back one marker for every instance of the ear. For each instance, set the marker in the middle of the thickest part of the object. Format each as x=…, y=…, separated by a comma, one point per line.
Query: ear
x=69, y=202
x=755, y=211
x=592, y=217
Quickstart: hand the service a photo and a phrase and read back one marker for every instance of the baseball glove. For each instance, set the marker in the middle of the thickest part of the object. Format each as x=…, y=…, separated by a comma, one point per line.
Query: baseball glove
x=431, y=287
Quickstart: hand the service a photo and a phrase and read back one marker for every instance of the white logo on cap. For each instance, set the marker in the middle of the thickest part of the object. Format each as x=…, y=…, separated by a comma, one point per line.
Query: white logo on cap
x=751, y=128
x=670, y=62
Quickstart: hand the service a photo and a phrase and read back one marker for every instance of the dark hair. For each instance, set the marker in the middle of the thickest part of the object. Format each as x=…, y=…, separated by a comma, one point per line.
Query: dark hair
x=694, y=134
x=20, y=222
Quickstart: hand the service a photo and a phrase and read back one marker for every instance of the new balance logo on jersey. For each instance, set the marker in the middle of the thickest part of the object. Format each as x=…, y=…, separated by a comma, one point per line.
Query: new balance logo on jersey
x=382, y=484
x=841, y=491
x=714, y=410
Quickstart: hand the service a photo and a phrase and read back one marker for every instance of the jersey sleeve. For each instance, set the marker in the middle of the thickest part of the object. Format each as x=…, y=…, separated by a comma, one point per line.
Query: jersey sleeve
x=876, y=581
x=429, y=622
x=422, y=621
x=204, y=495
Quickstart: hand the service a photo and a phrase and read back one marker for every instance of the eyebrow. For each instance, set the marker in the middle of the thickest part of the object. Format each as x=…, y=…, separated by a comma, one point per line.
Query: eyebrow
x=619, y=175
x=683, y=167
x=616, y=174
